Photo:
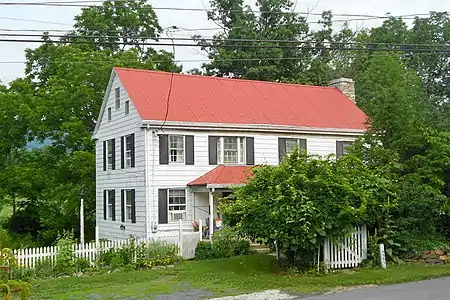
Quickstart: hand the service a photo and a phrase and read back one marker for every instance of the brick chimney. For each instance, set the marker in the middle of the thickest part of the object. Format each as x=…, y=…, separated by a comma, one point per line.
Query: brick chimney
x=346, y=86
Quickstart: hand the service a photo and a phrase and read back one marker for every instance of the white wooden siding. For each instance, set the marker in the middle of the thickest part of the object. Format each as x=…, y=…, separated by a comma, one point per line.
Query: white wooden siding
x=178, y=175
x=118, y=179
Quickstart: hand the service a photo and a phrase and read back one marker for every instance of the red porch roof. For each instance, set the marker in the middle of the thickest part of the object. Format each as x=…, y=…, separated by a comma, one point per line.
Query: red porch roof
x=206, y=99
x=224, y=175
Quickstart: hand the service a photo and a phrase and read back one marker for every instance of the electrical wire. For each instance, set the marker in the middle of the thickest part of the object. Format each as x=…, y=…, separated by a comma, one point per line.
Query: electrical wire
x=292, y=42
x=244, y=9
x=416, y=50
x=34, y=21
x=170, y=84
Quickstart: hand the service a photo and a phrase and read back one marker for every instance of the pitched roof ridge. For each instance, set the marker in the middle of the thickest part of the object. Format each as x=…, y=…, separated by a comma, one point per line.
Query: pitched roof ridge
x=225, y=78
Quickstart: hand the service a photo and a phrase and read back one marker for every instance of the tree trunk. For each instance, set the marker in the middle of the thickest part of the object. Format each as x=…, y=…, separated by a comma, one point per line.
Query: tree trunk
x=290, y=257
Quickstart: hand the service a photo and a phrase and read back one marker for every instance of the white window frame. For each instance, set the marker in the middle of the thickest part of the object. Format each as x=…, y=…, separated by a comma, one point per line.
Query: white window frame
x=109, y=205
x=117, y=97
x=172, y=213
x=297, y=140
x=127, y=153
x=127, y=107
x=241, y=150
x=109, y=158
x=178, y=155
x=128, y=206
x=109, y=114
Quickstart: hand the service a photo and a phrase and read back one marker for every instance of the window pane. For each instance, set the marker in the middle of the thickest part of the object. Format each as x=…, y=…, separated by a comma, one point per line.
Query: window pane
x=110, y=153
x=127, y=107
x=177, y=205
x=230, y=150
x=109, y=113
x=219, y=148
x=241, y=150
x=291, y=145
x=117, y=98
x=176, y=148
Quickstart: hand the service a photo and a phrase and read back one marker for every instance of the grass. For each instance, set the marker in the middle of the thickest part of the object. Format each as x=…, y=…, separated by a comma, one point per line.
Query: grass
x=223, y=277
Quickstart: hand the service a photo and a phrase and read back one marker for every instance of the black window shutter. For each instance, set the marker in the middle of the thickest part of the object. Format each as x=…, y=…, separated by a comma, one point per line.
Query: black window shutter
x=104, y=204
x=281, y=148
x=163, y=149
x=250, y=149
x=122, y=152
x=113, y=198
x=133, y=156
x=303, y=144
x=113, y=154
x=212, y=146
x=122, y=204
x=189, y=151
x=133, y=206
x=104, y=155
x=163, y=214
x=339, y=149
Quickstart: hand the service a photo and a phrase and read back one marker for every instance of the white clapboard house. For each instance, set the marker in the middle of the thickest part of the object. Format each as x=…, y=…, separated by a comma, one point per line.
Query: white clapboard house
x=162, y=158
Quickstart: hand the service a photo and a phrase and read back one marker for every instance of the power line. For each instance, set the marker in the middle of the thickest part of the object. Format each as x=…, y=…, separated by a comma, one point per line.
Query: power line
x=34, y=21
x=424, y=50
x=77, y=4
x=292, y=42
x=94, y=60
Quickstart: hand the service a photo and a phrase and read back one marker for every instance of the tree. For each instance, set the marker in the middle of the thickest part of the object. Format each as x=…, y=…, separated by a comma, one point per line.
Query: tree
x=393, y=99
x=64, y=88
x=306, y=199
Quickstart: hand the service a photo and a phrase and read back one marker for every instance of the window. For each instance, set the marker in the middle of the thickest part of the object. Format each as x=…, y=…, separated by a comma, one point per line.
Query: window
x=110, y=151
x=177, y=205
x=127, y=107
x=109, y=113
x=129, y=205
x=231, y=150
x=341, y=147
x=129, y=140
x=111, y=205
x=117, y=97
x=292, y=144
x=176, y=148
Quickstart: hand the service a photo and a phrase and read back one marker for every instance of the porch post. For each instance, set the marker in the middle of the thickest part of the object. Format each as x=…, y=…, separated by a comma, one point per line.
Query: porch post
x=211, y=214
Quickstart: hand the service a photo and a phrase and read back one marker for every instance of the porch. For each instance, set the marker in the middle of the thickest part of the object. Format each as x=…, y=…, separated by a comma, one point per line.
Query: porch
x=208, y=189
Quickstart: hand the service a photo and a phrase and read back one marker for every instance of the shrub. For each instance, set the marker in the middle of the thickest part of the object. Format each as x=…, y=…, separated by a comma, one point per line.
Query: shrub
x=82, y=264
x=204, y=251
x=65, y=260
x=45, y=268
x=135, y=256
x=5, y=239
x=227, y=243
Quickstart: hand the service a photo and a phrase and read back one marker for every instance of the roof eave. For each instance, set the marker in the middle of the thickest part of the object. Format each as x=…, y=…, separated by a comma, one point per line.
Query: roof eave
x=156, y=124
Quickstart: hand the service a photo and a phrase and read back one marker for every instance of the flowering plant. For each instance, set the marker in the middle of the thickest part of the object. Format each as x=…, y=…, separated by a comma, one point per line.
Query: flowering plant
x=195, y=225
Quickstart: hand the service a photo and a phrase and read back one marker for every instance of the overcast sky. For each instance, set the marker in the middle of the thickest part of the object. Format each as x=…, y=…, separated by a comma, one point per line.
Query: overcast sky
x=62, y=18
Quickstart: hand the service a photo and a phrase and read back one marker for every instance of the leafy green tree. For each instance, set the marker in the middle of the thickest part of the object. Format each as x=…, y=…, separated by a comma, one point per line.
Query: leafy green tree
x=65, y=85
x=308, y=198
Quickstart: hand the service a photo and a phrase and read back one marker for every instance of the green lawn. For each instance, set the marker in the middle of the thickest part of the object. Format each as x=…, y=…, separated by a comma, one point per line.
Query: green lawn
x=222, y=277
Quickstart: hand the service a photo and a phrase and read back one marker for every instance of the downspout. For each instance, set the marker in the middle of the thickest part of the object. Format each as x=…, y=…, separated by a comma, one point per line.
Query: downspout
x=147, y=194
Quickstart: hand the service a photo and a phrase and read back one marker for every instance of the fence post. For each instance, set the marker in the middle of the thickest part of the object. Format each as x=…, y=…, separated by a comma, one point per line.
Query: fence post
x=97, y=242
x=200, y=229
x=180, y=236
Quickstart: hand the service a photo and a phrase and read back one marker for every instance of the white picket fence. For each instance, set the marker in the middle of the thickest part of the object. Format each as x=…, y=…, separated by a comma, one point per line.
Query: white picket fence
x=346, y=252
x=186, y=241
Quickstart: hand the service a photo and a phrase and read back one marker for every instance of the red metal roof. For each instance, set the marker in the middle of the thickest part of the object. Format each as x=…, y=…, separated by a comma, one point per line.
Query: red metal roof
x=224, y=175
x=236, y=101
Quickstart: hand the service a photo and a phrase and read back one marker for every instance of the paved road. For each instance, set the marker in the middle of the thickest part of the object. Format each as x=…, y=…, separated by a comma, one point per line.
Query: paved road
x=436, y=289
